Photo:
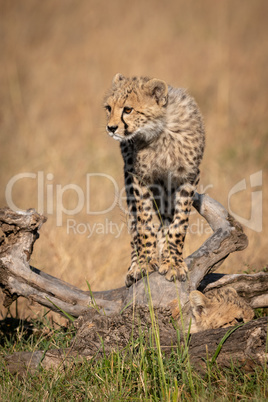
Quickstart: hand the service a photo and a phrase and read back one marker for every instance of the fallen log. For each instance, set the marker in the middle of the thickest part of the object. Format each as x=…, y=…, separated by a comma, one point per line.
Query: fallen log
x=18, y=278
x=246, y=347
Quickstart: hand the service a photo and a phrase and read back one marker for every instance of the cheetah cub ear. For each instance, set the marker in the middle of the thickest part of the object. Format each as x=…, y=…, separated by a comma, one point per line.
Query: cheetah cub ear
x=199, y=302
x=158, y=89
x=117, y=78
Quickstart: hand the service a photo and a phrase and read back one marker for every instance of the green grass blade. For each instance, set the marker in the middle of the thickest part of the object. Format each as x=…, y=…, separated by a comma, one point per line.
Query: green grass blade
x=67, y=315
x=226, y=336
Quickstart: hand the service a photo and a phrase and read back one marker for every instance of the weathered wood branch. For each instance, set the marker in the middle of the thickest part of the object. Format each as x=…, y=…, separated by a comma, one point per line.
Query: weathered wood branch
x=18, y=278
x=227, y=238
x=246, y=348
x=253, y=288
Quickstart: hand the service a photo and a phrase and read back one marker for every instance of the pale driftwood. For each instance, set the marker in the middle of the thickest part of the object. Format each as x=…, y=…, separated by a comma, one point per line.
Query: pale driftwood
x=18, y=278
x=253, y=288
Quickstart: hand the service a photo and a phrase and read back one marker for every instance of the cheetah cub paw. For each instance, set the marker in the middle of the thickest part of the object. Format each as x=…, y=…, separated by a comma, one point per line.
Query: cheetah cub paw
x=137, y=270
x=173, y=270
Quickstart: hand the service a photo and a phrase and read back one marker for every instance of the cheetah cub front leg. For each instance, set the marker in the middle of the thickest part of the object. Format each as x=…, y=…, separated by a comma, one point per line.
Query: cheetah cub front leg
x=172, y=239
x=143, y=244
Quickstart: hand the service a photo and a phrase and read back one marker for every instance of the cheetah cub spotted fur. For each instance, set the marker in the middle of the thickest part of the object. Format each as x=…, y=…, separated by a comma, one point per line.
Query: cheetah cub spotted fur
x=218, y=308
x=162, y=138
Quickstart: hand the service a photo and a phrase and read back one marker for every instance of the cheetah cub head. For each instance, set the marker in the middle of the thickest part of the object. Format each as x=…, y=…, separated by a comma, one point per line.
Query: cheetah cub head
x=136, y=107
x=218, y=308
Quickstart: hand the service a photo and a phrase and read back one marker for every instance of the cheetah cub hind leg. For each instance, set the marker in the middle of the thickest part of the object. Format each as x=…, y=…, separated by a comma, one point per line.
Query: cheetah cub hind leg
x=172, y=242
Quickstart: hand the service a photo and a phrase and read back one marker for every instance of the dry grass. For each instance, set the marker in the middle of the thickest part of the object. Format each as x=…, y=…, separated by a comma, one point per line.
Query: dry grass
x=57, y=60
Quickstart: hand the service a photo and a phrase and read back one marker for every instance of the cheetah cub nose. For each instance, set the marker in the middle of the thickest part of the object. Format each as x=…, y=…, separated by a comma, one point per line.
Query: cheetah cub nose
x=112, y=129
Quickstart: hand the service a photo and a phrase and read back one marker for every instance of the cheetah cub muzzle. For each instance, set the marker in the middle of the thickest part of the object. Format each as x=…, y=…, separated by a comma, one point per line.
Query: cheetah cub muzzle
x=162, y=138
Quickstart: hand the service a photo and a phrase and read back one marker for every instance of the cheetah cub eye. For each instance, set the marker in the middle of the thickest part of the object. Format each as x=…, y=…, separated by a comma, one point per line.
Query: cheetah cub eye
x=127, y=110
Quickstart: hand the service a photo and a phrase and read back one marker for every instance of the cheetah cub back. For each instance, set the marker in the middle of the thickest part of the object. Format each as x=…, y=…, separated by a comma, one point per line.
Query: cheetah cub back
x=162, y=138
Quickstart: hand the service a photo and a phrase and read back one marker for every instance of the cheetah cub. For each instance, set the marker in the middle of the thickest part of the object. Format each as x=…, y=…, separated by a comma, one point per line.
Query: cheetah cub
x=218, y=308
x=162, y=138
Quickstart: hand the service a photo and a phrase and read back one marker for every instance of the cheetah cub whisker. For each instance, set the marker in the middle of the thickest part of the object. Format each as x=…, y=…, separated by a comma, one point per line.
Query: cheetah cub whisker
x=162, y=138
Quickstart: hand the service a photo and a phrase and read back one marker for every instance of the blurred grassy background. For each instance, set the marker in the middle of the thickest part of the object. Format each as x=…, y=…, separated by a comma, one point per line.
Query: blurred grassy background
x=58, y=59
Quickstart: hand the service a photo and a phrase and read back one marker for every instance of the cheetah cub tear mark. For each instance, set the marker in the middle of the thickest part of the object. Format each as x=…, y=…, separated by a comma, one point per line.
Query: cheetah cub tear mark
x=162, y=138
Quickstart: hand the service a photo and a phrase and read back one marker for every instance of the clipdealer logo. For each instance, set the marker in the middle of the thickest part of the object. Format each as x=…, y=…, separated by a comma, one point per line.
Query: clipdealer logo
x=255, y=220
x=49, y=198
